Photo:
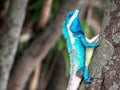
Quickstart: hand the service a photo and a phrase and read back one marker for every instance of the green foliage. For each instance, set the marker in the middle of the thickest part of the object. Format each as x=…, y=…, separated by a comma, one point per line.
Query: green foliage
x=19, y=50
x=46, y=64
x=54, y=9
x=67, y=62
x=87, y=30
x=36, y=7
x=61, y=46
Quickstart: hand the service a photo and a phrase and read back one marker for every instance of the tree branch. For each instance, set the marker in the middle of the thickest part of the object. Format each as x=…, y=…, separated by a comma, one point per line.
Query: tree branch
x=9, y=38
x=45, y=13
x=35, y=77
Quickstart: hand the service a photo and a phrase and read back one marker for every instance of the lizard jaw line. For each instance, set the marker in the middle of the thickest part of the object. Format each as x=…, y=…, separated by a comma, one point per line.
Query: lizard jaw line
x=72, y=39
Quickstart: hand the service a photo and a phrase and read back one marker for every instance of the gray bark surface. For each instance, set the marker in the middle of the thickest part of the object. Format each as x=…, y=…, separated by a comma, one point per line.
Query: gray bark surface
x=106, y=61
x=9, y=38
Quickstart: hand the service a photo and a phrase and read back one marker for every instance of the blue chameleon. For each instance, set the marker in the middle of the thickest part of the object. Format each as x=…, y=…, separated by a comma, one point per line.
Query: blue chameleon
x=76, y=45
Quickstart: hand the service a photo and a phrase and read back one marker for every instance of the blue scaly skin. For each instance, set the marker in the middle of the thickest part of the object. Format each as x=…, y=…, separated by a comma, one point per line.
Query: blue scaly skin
x=76, y=45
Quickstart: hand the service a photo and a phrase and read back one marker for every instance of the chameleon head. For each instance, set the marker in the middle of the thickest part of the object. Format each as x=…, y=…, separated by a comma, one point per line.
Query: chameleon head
x=71, y=25
x=74, y=22
x=71, y=16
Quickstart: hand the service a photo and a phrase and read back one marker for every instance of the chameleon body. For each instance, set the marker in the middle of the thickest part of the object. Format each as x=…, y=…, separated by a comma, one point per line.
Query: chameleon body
x=76, y=45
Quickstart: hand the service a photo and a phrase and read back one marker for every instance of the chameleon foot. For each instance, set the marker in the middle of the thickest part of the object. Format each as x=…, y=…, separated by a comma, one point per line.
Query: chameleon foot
x=88, y=80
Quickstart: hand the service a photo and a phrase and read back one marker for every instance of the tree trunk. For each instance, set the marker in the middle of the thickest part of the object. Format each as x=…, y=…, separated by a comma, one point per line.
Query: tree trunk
x=9, y=38
x=106, y=61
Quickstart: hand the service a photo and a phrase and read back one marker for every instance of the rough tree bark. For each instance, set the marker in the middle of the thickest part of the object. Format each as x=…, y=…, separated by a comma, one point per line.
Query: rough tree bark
x=9, y=38
x=106, y=61
x=40, y=47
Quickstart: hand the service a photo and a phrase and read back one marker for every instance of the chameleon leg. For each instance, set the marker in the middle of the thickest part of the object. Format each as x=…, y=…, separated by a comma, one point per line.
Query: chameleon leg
x=86, y=76
x=93, y=40
x=81, y=65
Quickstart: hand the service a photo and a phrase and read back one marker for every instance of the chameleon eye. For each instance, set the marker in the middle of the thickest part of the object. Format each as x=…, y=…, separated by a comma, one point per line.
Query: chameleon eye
x=69, y=15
